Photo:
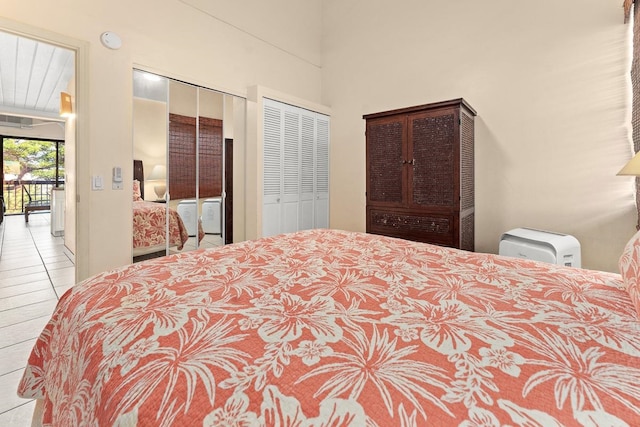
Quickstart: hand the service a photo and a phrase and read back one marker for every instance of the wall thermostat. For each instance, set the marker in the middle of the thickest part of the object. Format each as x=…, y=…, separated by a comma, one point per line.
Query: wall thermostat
x=111, y=40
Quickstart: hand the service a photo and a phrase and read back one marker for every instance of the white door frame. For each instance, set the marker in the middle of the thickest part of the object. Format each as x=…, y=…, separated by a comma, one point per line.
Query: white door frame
x=81, y=50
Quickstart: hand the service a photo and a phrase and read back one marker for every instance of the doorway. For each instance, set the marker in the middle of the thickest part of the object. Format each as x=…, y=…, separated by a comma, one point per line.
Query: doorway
x=228, y=188
x=41, y=66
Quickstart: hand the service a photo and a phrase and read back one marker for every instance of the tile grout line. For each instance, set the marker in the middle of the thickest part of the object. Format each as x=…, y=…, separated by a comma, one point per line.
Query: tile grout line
x=24, y=321
x=22, y=294
x=25, y=305
x=18, y=343
x=43, y=263
x=16, y=407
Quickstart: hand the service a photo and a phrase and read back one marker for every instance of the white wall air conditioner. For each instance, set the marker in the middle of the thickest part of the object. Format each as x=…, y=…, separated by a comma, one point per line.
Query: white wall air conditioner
x=188, y=211
x=538, y=245
x=57, y=212
x=211, y=215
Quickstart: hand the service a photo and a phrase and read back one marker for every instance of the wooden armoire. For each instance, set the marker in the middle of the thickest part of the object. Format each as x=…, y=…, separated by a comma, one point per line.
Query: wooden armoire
x=420, y=173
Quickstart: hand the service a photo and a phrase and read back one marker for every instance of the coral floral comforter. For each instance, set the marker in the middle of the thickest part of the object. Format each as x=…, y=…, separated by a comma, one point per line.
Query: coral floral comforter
x=149, y=226
x=332, y=328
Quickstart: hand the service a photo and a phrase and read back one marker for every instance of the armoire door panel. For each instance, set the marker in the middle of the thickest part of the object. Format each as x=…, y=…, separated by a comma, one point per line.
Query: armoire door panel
x=386, y=161
x=467, y=169
x=432, y=142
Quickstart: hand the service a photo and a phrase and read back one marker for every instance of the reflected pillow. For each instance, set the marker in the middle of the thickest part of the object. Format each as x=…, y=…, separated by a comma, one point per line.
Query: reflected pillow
x=136, y=191
x=630, y=269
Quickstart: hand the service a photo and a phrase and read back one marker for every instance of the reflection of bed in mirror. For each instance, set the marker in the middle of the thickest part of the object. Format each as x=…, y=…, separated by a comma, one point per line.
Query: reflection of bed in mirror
x=149, y=223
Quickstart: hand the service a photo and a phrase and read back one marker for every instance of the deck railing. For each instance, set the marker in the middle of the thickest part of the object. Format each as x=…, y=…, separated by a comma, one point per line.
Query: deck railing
x=16, y=193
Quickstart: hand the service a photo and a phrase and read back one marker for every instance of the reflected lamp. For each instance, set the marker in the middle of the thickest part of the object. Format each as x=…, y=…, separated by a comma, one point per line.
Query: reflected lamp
x=632, y=168
x=158, y=176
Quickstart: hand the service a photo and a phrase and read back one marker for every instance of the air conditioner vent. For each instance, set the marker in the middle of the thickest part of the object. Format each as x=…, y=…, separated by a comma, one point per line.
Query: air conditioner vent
x=14, y=121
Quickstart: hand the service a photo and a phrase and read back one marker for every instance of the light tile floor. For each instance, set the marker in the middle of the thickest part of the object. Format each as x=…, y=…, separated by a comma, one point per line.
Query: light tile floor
x=34, y=272
x=208, y=241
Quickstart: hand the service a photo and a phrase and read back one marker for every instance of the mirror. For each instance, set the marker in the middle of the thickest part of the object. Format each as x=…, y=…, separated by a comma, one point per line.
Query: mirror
x=184, y=162
x=210, y=164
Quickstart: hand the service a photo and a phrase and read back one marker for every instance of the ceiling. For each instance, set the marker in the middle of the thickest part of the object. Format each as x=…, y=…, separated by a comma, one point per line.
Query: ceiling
x=32, y=75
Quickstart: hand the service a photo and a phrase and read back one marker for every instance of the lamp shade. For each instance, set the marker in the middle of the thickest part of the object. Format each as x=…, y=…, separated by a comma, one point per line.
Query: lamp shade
x=159, y=175
x=632, y=167
x=159, y=172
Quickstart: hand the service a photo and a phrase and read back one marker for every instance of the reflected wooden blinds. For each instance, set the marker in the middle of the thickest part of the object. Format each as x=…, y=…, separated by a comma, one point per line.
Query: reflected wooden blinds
x=182, y=157
x=210, y=157
x=635, y=84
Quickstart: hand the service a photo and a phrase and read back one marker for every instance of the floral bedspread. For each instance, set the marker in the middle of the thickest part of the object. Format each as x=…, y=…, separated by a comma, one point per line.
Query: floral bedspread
x=149, y=226
x=333, y=328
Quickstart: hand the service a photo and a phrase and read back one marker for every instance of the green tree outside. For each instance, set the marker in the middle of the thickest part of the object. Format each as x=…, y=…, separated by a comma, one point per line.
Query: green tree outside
x=34, y=159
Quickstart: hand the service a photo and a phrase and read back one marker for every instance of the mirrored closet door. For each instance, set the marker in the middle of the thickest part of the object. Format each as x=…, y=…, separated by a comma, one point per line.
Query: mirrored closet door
x=184, y=139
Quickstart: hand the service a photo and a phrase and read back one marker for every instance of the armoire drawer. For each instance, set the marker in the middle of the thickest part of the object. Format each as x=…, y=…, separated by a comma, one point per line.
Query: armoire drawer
x=423, y=227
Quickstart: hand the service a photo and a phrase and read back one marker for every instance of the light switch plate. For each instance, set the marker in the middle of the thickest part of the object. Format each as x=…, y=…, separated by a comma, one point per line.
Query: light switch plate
x=97, y=183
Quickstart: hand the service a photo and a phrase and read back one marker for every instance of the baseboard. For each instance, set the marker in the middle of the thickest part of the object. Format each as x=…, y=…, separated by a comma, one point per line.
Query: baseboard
x=2, y=225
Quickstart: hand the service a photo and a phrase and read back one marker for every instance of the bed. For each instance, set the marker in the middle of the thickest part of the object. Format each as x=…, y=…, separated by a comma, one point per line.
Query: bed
x=149, y=223
x=149, y=229
x=336, y=328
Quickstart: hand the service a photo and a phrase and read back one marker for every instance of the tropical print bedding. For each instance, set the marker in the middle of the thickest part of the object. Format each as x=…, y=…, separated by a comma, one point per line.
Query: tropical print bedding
x=149, y=226
x=333, y=328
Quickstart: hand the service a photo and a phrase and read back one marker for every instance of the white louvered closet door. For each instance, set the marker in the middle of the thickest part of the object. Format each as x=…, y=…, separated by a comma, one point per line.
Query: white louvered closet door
x=296, y=169
x=307, y=190
x=272, y=173
x=291, y=170
x=322, y=172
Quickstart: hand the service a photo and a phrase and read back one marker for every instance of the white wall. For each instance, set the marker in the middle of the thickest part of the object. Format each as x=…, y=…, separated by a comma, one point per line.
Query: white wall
x=70, y=179
x=51, y=130
x=224, y=45
x=149, y=138
x=549, y=80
